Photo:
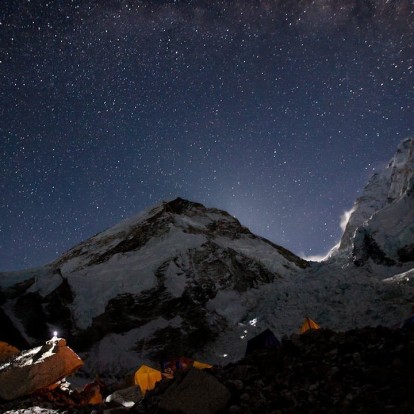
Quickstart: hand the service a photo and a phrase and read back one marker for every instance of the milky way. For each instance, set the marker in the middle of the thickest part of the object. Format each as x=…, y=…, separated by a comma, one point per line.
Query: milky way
x=277, y=111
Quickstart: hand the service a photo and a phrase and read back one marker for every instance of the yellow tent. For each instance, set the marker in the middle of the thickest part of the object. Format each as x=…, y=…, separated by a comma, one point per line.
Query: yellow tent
x=146, y=377
x=7, y=351
x=308, y=324
x=201, y=365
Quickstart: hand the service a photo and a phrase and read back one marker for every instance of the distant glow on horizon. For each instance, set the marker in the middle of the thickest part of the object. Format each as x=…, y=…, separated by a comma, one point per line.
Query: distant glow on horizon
x=314, y=258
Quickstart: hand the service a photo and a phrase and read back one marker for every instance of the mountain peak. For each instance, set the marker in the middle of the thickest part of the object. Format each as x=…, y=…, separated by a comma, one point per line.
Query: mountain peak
x=164, y=277
x=175, y=216
x=180, y=205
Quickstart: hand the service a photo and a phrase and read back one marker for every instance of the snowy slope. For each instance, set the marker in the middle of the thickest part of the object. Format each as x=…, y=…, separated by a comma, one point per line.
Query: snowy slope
x=101, y=269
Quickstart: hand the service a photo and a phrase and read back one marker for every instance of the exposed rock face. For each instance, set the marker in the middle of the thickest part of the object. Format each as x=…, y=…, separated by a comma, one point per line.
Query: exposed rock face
x=381, y=226
x=127, y=397
x=10, y=333
x=365, y=247
x=37, y=368
x=406, y=253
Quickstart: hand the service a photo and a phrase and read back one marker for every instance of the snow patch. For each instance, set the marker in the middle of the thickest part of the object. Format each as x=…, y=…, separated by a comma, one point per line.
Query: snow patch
x=345, y=218
x=125, y=273
x=258, y=250
x=115, y=352
x=46, y=284
x=175, y=280
x=406, y=278
x=229, y=305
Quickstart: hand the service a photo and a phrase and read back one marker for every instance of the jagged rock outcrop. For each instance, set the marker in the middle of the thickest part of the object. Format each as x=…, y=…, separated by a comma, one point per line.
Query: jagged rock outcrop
x=126, y=397
x=365, y=248
x=381, y=226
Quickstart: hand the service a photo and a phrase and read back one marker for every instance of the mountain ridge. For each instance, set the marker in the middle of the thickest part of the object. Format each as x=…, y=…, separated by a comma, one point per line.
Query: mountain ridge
x=183, y=279
x=155, y=277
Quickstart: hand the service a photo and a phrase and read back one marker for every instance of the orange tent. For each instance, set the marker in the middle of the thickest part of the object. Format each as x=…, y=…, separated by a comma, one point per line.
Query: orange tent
x=308, y=324
x=201, y=365
x=146, y=377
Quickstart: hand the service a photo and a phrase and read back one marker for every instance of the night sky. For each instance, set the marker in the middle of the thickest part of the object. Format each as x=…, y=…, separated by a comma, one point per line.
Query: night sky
x=277, y=111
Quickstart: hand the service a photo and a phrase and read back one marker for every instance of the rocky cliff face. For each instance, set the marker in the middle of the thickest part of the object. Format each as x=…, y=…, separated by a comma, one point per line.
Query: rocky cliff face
x=381, y=226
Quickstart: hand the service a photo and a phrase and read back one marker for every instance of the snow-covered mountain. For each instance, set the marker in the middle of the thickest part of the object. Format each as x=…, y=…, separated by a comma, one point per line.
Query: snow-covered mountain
x=381, y=226
x=167, y=281
x=183, y=279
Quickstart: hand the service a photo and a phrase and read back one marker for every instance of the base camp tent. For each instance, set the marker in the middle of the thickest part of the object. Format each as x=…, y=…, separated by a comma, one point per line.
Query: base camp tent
x=308, y=324
x=201, y=365
x=169, y=367
x=264, y=340
x=146, y=377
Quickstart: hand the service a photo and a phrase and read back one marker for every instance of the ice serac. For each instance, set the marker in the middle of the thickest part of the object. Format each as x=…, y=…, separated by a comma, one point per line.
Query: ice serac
x=157, y=284
x=381, y=226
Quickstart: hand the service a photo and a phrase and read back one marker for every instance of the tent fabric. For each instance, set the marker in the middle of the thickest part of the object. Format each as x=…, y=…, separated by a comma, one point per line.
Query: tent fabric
x=201, y=365
x=146, y=377
x=264, y=340
x=169, y=367
x=308, y=324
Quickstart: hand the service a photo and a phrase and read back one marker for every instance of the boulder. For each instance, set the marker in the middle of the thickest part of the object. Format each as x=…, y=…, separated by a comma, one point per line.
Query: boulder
x=127, y=397
x=197, y=393
x=37, y=368
x=7, y=352
x=91, y=394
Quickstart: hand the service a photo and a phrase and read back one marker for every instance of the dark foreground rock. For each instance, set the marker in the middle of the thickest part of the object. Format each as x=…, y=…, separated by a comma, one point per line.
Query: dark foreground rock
x=362, y=371
x=367, y=370
x=37, y=368
x=198, y=392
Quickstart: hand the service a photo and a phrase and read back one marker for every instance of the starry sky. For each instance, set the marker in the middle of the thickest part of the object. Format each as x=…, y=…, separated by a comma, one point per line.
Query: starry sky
x=277, y=111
